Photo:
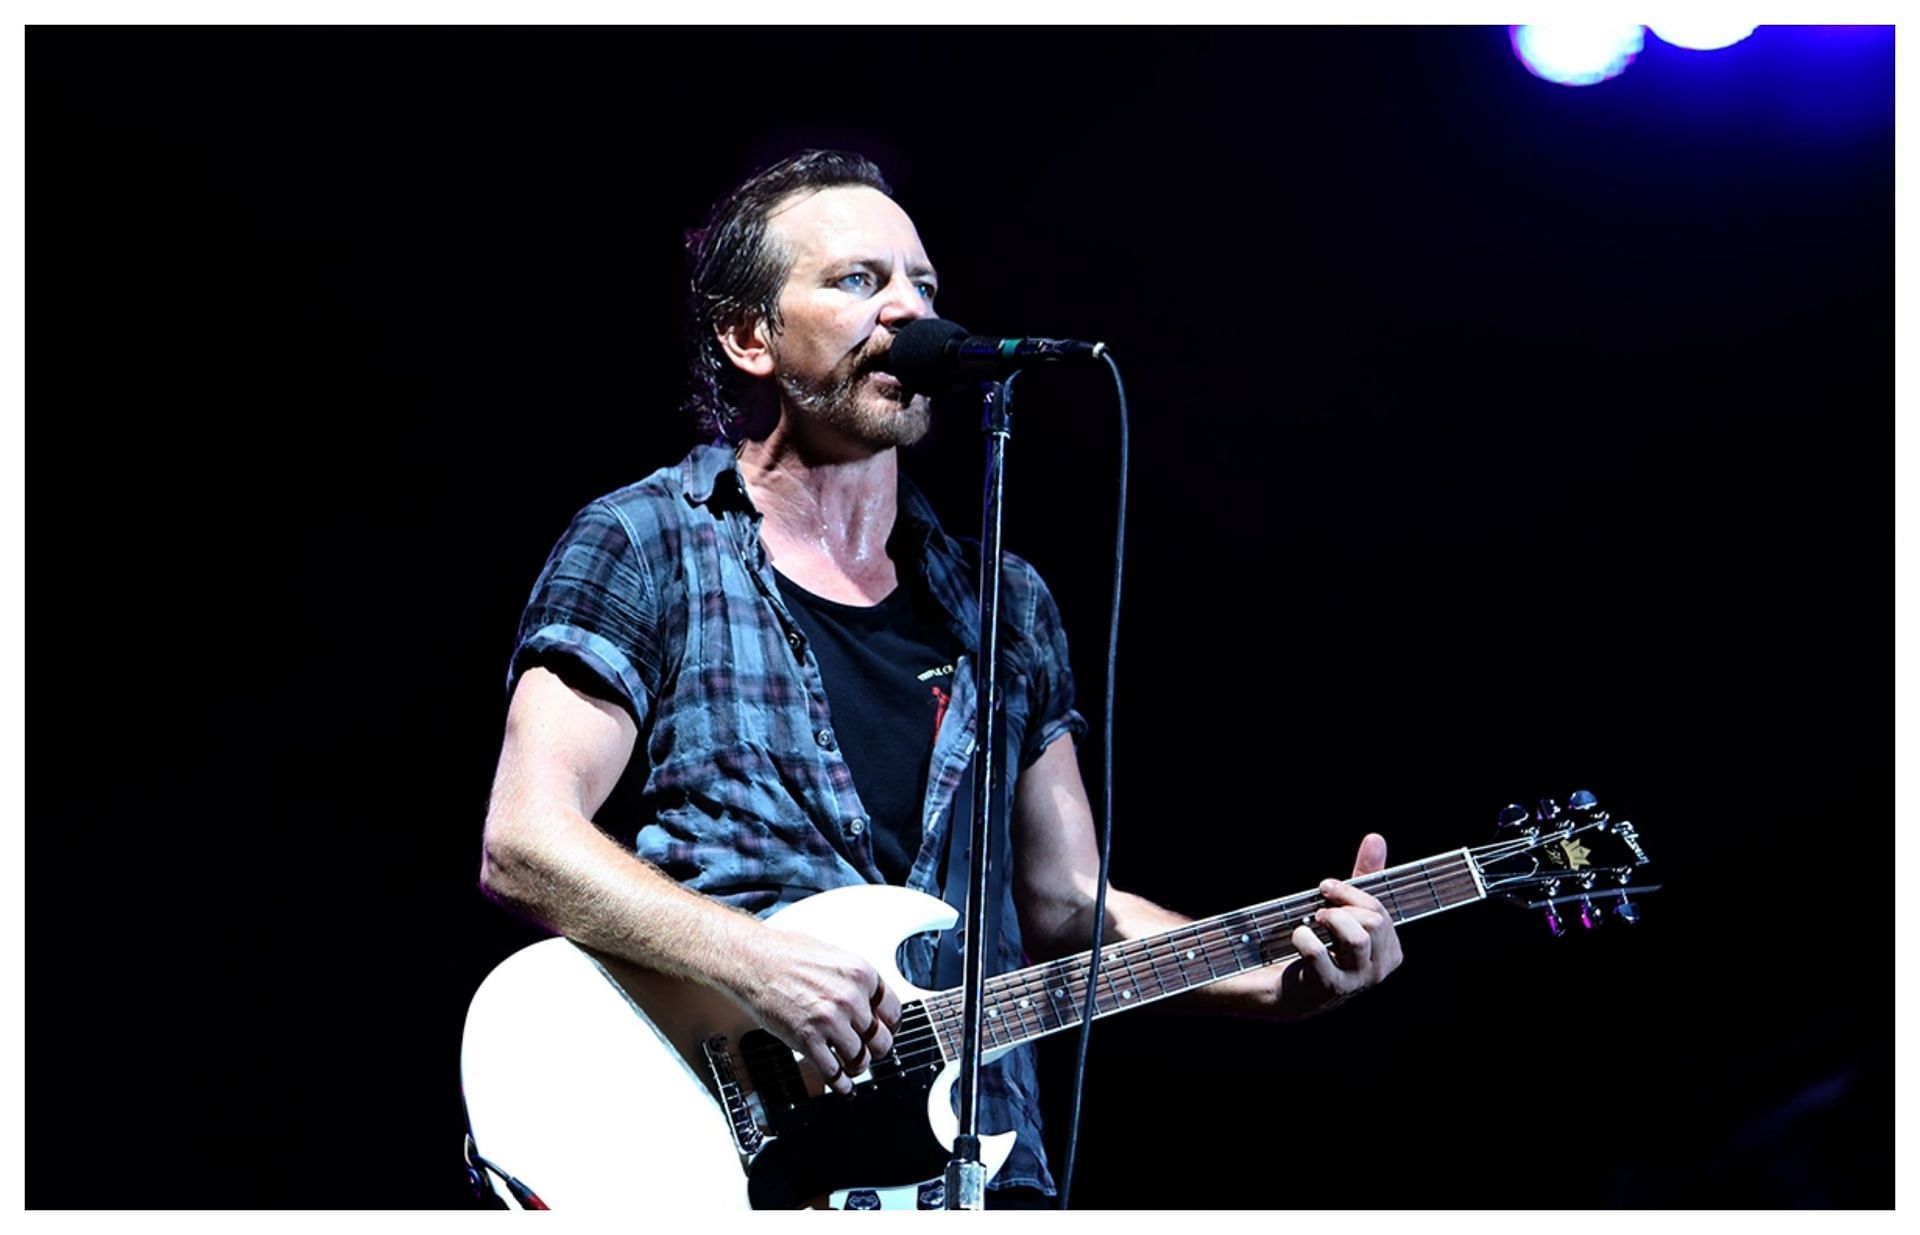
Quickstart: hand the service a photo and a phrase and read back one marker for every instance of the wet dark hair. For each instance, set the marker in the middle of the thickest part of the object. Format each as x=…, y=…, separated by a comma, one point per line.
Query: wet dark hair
x=737, y=271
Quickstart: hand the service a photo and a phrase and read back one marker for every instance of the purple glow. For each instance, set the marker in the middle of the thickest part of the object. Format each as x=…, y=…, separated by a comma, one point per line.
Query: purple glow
x=1576, y=55
x=1702, y=34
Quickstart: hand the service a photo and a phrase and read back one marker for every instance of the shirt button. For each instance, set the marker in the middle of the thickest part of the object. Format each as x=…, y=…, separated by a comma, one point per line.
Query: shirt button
x=825, y=738
x=793, y=640
x=856, y=826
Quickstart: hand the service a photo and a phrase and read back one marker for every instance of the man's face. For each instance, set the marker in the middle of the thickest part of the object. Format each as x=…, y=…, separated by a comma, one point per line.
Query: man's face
x=858, y=274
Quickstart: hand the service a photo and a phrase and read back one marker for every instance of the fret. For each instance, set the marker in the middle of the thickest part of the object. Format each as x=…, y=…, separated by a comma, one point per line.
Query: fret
x=1113, y=988
x=1028, y=998
x=1194, y=970
x=1056, y=980
x=1160, y=984
x=1243, y=940
x=1061, y=996
x=1076, y=983
x=1469, y=880
x=1109, y=999
x=1190, y=952
x=1198, y=950
x=1450, y=882
x=1139, y=959
x=1281, y=922
x=1045, y=1022
x=1130, y=994
x=992, y=1032
x=944, y=1016
x=1025, y=1012
x=953, y=1024
x=1426, y=872
x=1213, y=951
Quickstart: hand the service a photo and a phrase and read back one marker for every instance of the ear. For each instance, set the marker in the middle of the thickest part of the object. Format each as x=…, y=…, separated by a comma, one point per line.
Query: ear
x=745, y=341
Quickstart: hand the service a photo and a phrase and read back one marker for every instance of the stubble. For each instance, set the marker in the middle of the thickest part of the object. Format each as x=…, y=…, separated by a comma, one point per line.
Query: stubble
x=876, y=418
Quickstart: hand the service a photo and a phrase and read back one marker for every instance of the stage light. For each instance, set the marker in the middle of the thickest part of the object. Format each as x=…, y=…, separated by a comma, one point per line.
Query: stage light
x=1575, y=55
x=1701, y=33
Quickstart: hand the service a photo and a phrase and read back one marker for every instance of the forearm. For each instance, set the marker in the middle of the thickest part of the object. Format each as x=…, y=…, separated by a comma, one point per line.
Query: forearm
x=555, y=867
x=1253, y=993
x=1069, y=929
x=543, y=858
x=1055, y=873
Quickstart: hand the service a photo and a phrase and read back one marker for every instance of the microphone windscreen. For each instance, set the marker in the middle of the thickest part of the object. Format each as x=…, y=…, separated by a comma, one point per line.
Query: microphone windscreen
x=918, y=354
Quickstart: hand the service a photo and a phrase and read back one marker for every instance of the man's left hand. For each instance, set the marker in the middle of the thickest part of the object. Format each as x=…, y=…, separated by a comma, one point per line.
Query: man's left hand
x=1365, y=948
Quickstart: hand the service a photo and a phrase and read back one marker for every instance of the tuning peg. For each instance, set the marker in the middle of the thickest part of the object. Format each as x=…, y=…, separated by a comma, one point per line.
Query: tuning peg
x=1549, y=811
x=1626, y=910
x=1582, y=802
x=1554, y=924
x=1589, y=913
x=1513, y=815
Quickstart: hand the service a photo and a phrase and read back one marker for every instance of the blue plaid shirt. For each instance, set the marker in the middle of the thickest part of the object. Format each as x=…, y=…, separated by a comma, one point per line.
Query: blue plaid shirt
x=663, y=591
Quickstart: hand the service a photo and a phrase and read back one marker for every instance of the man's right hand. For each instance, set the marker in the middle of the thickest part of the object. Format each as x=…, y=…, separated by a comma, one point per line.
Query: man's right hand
x=823, y=1001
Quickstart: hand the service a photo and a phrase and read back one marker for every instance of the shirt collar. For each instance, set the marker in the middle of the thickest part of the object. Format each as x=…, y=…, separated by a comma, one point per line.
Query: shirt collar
x=713, y=475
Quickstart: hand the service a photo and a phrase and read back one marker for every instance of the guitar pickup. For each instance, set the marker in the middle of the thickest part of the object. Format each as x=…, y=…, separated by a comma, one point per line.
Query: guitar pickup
x=747, y=1136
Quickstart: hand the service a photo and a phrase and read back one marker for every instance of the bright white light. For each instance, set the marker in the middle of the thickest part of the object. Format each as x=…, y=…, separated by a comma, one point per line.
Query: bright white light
x=1577, y=55
x=1702, y=33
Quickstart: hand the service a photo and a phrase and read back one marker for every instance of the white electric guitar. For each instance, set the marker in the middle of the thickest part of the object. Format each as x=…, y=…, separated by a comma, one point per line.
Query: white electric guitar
x=594, y=1084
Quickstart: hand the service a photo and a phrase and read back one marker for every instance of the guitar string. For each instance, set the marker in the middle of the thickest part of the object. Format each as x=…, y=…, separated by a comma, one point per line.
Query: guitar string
x=1217, y=938
x=1455, y=871
x=1205, y=940
x=1198, y=957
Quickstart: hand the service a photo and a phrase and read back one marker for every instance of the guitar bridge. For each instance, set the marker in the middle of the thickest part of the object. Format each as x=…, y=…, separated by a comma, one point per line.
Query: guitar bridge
x=746, y=1133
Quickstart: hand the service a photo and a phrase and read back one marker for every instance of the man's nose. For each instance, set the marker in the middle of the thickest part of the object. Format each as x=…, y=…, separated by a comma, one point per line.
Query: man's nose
x=901, y=302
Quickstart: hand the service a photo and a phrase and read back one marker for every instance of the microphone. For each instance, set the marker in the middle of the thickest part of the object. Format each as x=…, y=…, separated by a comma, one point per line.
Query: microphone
x=931, y=354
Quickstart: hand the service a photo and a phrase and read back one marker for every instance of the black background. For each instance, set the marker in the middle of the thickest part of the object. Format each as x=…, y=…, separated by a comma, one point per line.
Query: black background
x=1492, y=439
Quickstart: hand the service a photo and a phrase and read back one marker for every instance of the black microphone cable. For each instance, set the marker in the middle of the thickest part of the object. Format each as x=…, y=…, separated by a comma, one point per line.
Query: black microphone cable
x=1106, y=799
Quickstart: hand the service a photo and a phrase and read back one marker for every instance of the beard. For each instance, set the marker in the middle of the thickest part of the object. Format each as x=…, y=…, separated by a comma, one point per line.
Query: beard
x=847, y=402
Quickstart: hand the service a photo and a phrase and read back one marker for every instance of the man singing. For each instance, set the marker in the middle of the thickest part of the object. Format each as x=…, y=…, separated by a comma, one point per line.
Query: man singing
x=747, y=678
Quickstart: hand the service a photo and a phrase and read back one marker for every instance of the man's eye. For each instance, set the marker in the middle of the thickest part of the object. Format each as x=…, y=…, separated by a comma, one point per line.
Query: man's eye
x=927, y=291
x=858, y=281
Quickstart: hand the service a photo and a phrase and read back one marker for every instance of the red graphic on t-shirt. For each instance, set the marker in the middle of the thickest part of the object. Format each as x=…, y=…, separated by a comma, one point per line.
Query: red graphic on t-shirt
x=940, y=701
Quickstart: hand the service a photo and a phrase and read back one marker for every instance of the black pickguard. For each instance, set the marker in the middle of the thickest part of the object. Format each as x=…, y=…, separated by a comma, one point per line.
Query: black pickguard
x=877, y=1137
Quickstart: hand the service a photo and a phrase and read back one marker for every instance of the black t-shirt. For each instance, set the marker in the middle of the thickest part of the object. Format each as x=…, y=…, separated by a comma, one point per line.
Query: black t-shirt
x=889, y=674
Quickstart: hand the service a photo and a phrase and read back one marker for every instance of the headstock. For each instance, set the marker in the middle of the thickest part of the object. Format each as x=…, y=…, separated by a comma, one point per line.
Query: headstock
x=1575, y=859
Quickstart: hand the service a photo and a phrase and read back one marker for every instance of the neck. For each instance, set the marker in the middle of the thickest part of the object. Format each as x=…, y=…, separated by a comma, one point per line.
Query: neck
x=827, y=509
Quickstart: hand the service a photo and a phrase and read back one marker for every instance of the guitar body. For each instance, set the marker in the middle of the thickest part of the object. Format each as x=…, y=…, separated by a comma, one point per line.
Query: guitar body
x=603, y=1086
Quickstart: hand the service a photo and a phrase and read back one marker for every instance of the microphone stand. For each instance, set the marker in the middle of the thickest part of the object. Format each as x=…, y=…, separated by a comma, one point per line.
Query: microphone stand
x=966, y=1177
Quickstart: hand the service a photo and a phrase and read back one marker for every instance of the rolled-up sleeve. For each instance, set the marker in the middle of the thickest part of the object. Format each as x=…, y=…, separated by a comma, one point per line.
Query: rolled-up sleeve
x=594, y=606
x=1053, y=714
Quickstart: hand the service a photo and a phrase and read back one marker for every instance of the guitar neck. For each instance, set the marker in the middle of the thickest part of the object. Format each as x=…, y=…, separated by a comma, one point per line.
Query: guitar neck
x=1031, y=1003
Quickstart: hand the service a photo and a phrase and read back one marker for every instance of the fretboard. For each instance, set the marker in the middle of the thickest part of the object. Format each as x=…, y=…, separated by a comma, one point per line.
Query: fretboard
x=1034, y=1002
